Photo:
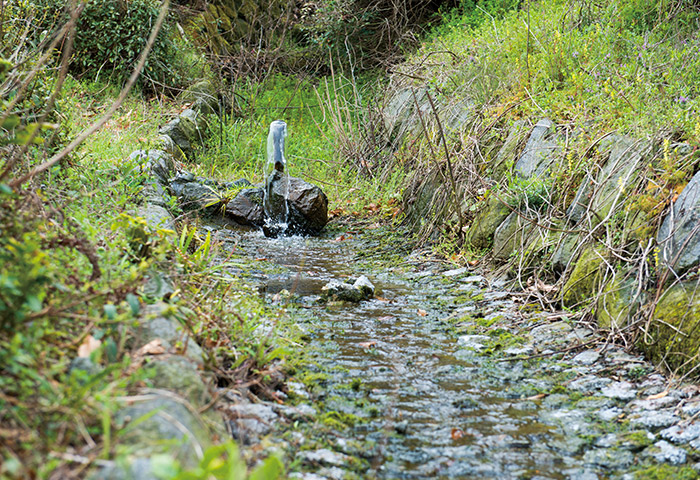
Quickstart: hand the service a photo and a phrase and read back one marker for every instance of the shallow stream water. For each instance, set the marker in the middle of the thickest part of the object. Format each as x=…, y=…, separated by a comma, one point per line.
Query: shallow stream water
x=444, y=374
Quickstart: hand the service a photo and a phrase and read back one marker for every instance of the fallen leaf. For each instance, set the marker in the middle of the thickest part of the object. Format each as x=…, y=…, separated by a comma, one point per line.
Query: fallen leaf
x=422, y=313
x=386, y=318
x=457, y=433
x=340, y=238
x=473, y=263
x=382, y=299
x=89, y=345
x=658, y=395
x=370, y=344
x=261, y=259
x=539, y=396
x=154, y=347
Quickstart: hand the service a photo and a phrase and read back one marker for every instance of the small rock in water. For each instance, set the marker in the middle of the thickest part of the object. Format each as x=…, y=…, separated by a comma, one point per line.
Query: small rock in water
x=608, y=458
x=455, y=272
x=336, y=290
x=473, y=341
x=365, y=286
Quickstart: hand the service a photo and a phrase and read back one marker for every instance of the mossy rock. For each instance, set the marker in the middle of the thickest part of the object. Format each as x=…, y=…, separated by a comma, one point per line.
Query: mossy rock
x=673, y=337
x=513, y=235
x=584, y=282
x=618, y=303
x=480, y=233
x=567, y=245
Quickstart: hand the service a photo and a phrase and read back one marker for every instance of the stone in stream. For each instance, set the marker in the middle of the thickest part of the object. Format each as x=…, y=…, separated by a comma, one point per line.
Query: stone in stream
x=306, y=205
x=362, y=289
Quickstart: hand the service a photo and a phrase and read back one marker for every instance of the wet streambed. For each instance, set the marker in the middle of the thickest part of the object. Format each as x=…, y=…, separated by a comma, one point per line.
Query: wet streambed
x=441, y=375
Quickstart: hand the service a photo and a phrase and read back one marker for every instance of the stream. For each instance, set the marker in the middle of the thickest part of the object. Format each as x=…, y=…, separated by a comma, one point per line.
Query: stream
x=446, y=374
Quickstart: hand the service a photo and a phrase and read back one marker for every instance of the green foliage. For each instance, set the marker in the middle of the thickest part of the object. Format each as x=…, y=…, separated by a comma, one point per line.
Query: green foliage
x=220, y=462
x=110, y=37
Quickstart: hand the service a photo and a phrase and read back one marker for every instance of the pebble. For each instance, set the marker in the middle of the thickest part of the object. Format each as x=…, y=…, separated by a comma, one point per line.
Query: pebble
x=325, y=456
x=608, y=458
x=589, y=357
x=609, y=414
x=666, y=452
x=473, y=341
x=589, y=384
x=655, y=419
x=619, y=390
x=681, y=434
x=455, y=272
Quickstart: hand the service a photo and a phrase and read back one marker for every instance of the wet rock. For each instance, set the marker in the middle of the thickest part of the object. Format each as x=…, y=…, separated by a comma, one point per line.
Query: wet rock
x=551, y=333
x=634, y=441
x=620, y=391
x=678, y=235
x=654, y=420
x=518, y=351
x=246, y=208
x=662, y=451
x=306, y=204
x=609, y=414
x=589, y=384
x=362, y=289
x=83, y=366
x=455, y=272
x=475, y=342
x=325, y=456
x=681, y=433
x=589, y=357
x=582, y=475
x=608, y=458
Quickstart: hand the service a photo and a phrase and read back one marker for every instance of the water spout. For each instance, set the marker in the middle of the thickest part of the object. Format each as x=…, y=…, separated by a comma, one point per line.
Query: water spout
x=276, y=182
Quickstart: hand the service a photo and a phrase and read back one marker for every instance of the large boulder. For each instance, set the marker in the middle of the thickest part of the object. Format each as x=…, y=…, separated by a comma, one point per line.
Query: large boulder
x=247, y=207
x=306, y=204
x=679, y=235
x=604, y=191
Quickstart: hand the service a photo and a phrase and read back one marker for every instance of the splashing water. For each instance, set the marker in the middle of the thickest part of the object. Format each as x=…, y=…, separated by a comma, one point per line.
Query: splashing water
x=276, y=182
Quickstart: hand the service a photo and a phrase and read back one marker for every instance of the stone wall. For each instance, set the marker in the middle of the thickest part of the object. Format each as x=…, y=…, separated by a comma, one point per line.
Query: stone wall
x=572, y=221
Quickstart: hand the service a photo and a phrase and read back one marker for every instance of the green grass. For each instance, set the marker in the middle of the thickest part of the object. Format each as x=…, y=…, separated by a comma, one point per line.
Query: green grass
x=627, y=66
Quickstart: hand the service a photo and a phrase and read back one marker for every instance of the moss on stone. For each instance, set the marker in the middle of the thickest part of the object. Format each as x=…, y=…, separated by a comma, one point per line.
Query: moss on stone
x=673, y=337
x=618, y=303
x=584, y=281
x=666, y=472
x=480, y=233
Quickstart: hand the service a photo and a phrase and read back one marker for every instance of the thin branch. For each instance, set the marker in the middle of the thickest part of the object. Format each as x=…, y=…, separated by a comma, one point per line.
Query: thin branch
x=105, y=118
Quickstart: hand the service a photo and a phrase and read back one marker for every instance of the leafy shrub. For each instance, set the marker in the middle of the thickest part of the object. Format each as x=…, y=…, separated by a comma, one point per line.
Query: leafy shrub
x=110, y=36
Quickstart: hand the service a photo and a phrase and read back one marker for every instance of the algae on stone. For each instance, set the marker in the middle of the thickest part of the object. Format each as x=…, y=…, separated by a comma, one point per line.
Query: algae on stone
x=584, y=281
x=673, y=336
x=480, y=233
x=619, y=301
